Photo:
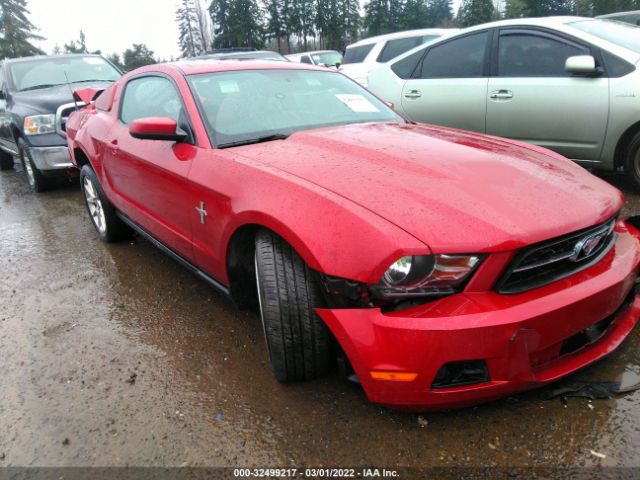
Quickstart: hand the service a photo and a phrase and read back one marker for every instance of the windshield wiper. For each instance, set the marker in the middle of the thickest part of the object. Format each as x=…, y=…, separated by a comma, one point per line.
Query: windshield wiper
x=266, y=138
x=38, y=87
x=93, y=80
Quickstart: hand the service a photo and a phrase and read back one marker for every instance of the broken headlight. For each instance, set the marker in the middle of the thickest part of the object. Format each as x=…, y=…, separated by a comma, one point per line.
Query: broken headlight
x=426, y=275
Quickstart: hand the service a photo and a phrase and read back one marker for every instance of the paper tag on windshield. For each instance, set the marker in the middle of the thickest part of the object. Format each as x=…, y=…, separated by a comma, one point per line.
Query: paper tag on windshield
x=357, y=103
x=229, y=86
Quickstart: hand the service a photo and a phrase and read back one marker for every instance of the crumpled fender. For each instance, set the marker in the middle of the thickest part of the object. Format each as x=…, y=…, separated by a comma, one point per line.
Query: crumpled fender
x=87, y=95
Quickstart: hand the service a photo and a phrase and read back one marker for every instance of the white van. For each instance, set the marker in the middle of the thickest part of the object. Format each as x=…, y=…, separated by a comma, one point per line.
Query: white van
x=363, y=56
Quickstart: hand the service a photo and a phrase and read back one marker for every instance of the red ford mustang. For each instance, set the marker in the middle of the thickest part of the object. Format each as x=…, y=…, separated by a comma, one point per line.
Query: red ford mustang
x=445, y=267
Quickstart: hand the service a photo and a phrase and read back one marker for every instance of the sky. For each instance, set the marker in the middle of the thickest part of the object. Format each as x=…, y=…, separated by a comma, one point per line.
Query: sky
x=113, y=25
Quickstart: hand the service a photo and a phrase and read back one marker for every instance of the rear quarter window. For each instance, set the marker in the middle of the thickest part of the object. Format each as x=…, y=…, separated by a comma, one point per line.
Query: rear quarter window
x=357, y=54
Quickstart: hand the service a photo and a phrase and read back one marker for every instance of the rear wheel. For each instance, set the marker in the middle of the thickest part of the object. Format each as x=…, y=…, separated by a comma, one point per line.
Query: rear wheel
x=6, y=161
x=103, y=215
x=298, y=341
x=632, y=160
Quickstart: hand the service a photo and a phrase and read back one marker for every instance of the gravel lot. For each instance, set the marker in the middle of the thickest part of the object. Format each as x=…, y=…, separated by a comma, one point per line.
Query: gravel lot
x=114, y=355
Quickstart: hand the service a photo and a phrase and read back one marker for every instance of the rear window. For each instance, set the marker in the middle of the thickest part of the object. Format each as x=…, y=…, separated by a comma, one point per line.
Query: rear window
x=357, y=54
x=393, y=48
x=622, y=34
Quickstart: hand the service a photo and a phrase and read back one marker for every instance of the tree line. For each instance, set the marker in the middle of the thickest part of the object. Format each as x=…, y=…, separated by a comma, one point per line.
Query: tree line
x=295, y=25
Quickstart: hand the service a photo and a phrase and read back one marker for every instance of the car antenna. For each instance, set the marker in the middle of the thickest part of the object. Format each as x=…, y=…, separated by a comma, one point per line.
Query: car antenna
x=73, y=94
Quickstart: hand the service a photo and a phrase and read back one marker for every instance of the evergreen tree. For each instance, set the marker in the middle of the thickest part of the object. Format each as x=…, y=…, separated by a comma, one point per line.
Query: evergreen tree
x=516, y=9
x=77, y=47
x=602, y=7
x=544, y=8
x=115, y=59
x=376, y=17
x=414, y=14
x=338, y=22
x=439, y=11
x=475, y=12
x=236, y=23
x=16, y=30
x=303, y=20
x=137, y=56
x=56, y=50
x=280, y=22
x=190, y=42
x=204, y=26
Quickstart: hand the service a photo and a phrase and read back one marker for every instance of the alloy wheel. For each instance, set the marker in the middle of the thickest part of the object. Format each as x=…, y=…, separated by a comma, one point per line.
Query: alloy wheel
x=94, y=203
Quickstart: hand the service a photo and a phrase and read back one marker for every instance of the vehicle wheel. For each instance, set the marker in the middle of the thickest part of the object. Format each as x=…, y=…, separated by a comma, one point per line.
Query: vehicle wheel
x=298, y=341
x=37, y=182
x=6, y=161
x=632, y=160
x=103, y=215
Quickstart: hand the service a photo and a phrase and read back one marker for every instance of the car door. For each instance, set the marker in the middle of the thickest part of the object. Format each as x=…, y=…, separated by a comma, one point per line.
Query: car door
x=6, y=138
x=149, y=177
x=532, y=97
x=449, y=85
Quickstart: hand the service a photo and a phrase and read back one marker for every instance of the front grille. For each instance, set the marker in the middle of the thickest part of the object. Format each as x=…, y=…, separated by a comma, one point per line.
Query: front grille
x=552, y=260
x=62, y=114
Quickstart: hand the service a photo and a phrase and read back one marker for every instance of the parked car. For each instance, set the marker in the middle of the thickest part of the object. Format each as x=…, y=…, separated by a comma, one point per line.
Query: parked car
x=244, y=55
x=628, y=17
x=449, y=267
x=325, y=58
x=361, y=57
x=35, y=100
x=566, y=83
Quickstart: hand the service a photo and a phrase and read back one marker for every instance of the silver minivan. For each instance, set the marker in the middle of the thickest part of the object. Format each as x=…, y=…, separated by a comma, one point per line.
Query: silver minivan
x=569, y=84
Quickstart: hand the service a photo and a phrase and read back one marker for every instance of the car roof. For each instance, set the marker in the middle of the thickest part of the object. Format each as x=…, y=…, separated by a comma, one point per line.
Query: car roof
x=404, y=34
x=620, y=14
x=539, y=22
x=196, y=67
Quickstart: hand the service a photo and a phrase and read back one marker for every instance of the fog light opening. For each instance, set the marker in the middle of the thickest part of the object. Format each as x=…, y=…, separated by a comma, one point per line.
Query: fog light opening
x=458, y=374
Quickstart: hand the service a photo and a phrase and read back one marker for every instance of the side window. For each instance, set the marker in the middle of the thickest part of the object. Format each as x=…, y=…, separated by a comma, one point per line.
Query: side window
x=305, y=59
x=405, y=67
x=616, y=67
x=393, y=48
x=460, y=58
x=150, y=97
x=531, y=55
x=357, y=54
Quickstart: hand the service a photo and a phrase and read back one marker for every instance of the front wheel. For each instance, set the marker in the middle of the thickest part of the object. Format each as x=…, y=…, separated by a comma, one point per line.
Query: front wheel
x=36, y=180
x=298, y=341
x=103, y=215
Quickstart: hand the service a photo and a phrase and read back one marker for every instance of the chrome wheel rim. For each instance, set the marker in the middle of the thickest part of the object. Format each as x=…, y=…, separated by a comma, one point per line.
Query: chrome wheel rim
x=31, y=178
x=94, y=204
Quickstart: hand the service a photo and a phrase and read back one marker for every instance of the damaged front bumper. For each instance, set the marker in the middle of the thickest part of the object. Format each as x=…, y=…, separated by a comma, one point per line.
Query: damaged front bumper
x=474, y=347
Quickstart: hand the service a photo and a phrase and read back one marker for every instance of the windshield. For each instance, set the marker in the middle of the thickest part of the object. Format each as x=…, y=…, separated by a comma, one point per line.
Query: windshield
x=249, y=105
x=622, y=34
x=49, y=72
x=326, y=58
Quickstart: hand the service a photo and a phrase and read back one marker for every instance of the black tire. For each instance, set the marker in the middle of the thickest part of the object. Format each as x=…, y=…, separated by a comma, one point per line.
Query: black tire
x=298, y=341
x=101, y=212
x=632, y=161
x=6, y=161
x=36, y=180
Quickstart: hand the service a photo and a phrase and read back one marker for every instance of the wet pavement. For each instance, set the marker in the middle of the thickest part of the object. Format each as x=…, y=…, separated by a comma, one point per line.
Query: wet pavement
x=114, y=355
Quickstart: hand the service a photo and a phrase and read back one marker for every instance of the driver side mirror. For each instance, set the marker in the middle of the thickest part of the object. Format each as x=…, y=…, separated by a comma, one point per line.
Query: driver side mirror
x=581, y=65
x=157, y=128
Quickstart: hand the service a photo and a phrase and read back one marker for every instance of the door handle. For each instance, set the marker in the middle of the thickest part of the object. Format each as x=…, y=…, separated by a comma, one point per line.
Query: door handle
x=114, y=145
x=413, y=94
x=501, y=95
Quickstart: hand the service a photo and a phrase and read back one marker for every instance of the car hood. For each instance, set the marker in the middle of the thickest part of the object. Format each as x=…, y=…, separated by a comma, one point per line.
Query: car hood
x=47, y=100
x=456, y=191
